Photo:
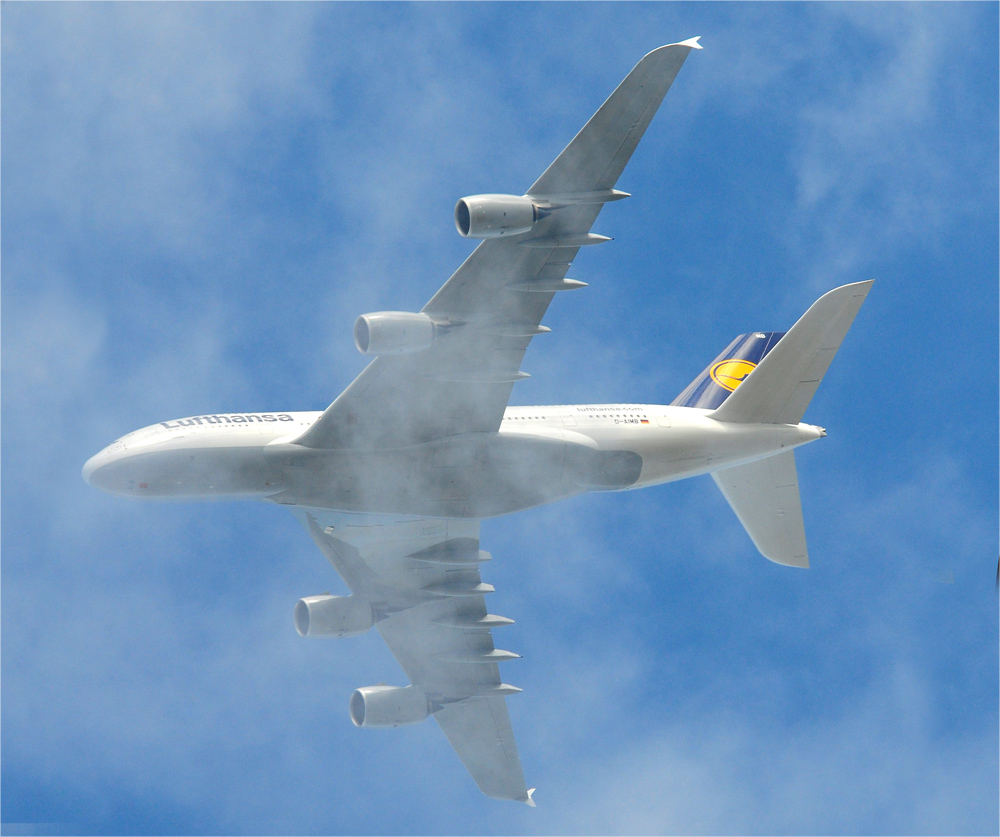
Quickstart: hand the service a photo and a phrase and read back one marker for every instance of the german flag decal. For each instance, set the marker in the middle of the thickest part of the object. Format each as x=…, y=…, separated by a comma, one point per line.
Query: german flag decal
x=729, y=374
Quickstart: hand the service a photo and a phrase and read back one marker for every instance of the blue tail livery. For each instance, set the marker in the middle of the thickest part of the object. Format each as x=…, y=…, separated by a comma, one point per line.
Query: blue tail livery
x=728, y=370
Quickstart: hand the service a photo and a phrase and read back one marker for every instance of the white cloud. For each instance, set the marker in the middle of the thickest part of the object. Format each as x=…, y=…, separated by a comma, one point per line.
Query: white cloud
x=52, y=344
x=135, y=97
x=198, y=201
x=873, y=166
x=842, y=774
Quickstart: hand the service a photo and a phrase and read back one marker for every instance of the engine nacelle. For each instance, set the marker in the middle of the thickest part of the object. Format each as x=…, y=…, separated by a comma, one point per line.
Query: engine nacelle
x=393, y=333
x=494, y=216
x=332, y=616
x=388, y=706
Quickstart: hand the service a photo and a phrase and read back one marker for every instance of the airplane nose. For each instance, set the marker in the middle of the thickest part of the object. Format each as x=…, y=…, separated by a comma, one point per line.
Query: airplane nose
x=92, y=468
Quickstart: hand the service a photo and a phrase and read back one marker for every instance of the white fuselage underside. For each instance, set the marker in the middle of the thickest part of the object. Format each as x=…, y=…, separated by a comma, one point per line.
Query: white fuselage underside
x=539, y=455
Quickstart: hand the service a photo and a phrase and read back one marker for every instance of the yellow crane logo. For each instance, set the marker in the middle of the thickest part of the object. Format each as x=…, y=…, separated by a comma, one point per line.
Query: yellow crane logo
x=729, y=374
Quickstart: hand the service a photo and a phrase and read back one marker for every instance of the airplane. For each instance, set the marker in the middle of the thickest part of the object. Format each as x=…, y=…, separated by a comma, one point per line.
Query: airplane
x=393, y=478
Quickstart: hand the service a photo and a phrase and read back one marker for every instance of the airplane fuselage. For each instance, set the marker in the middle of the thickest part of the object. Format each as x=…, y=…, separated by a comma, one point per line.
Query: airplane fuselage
x=539, y=455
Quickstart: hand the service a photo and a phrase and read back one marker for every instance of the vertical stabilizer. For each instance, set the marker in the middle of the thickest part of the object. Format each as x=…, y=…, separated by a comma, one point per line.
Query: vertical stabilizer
x=728, y=370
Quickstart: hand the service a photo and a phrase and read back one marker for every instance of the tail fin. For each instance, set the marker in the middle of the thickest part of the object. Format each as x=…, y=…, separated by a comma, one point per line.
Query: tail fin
x=728, y=370
x=783, y=384
x=765, y=496
x=765, y=493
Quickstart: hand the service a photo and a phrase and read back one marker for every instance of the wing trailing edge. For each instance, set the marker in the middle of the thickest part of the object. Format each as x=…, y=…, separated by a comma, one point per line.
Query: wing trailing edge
x=422, y=576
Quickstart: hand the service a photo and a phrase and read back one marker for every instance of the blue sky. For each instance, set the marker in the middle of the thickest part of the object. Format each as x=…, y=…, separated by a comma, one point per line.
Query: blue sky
x=198, y=200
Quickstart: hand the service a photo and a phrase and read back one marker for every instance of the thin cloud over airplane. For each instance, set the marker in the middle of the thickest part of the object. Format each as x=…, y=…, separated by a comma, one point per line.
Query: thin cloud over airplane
x=394, y=477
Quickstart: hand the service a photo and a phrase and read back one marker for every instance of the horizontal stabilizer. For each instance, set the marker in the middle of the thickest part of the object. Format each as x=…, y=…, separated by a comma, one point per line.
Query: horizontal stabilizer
x=765, y=496
x=780, y=388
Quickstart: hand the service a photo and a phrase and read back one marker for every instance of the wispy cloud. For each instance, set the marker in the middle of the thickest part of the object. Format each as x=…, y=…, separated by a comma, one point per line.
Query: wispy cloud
x=197, y=203
x=719, y=774
x=874, y=166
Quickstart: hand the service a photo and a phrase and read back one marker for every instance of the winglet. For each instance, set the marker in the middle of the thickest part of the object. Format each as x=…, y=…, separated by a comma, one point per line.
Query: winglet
x=528, y=800
x=691, y=42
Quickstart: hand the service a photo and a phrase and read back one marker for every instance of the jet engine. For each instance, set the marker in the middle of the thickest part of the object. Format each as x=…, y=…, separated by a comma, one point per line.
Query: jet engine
x=388, y=706
x=393, y=333
x=494, y=216
x=332, y=616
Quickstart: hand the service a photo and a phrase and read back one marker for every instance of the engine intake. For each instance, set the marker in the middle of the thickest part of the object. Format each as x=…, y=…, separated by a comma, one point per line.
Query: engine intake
x=393, y=333
x=388, y=706
x=338, y=616
x=494, y=216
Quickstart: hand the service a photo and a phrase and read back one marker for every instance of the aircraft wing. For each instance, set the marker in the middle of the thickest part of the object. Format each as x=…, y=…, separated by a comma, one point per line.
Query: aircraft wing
x=422, y=579
x=497, y=298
